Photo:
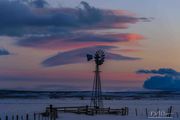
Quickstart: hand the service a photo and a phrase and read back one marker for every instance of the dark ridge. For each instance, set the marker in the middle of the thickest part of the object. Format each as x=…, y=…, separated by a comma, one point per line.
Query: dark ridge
x=137, y=95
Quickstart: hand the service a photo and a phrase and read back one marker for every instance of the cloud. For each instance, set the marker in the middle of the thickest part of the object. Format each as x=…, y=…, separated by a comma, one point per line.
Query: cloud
x=167, y=79
x=4, y=52
x=161, y=71
x=16, y=14
x=163, y=83
x=39, y=3
x=59, y=28
x=80, y=39
x=79, y=56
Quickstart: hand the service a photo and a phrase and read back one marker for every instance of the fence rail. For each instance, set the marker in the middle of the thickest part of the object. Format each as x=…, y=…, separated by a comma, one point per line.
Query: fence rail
x=51, y=113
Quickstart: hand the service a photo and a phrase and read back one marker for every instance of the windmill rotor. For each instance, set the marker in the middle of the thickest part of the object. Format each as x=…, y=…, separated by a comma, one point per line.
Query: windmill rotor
x=99, y=57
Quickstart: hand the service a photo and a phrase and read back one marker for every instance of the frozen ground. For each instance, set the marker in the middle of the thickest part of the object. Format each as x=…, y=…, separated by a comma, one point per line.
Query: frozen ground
x=22, y=106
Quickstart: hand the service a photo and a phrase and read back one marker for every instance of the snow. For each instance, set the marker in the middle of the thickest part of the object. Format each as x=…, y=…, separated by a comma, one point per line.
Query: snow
x=23, y=106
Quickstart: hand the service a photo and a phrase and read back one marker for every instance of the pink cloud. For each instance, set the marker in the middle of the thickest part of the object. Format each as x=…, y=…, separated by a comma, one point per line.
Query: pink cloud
x=78, y=40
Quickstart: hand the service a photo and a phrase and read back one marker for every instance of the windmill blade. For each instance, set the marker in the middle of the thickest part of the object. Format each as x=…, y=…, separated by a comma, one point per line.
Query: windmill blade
x=89, y=57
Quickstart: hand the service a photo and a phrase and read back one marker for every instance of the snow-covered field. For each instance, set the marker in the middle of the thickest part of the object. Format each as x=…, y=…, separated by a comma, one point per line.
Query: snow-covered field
x=23, y=106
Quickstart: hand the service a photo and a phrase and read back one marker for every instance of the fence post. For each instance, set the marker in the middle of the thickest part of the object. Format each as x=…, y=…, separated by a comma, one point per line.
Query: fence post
x=109, y=109
x=17, y=117
x=27, y=117
x=87, y=109
x=127, y=110
x=13, y=117
x=39, y=117
x=146, y=112
x=51, y=111
x=177, y=114
x=34, y=116
x=56, y=112
x=136, y=111
x=6, y=117
x=21, y=117
x=122, y=111
x=170, y=111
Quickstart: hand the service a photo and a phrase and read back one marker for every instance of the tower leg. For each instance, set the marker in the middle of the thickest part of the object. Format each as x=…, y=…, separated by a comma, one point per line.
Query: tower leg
x=96, y=98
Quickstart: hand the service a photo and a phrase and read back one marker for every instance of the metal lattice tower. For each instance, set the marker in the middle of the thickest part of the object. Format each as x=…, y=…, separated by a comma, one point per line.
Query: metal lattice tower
x=96, y=98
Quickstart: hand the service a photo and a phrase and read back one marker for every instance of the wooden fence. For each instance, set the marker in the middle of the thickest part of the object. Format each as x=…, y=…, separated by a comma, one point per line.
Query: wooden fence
x=50, y=114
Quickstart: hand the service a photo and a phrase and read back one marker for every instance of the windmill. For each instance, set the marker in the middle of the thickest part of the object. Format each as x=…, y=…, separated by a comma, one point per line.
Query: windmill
x=96, y=98
x=96, y=104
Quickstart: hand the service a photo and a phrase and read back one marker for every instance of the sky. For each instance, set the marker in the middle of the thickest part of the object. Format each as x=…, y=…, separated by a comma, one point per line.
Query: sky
x=44, y=46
